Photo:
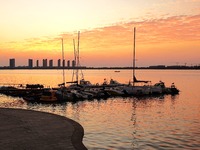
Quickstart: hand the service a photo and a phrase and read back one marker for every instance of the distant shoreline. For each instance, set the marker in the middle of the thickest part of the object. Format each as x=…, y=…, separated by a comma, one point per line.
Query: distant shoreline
x=105, y=68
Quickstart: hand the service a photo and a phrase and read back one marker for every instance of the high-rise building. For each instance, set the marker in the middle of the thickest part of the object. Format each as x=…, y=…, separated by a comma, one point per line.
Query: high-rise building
x=63, y=63
x=12, y=63
x=68, y=63
x=44, y=62
x=37, y=63
x=51, y=63
x=30, y=63
x=59, y=62
x=73, y=63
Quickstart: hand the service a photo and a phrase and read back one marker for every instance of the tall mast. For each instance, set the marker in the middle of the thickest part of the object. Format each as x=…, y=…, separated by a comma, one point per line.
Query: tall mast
x=134, y=57
x=74, y=59
x=63, y=63
x=78, y=48
x=79, y=64
x=77, y=55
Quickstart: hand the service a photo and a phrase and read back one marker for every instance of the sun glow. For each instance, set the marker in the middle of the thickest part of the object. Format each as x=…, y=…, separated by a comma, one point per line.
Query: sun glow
x=106, y=37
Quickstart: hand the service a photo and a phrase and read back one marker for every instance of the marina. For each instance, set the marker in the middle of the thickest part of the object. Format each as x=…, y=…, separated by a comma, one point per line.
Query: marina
x=81, y=89
x=85, y=90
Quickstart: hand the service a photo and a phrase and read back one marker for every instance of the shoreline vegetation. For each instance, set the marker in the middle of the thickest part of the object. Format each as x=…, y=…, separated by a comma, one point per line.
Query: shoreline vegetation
x=111, y=68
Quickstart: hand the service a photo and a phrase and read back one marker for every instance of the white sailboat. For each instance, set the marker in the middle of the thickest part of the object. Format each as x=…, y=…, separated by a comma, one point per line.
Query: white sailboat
x=132, y=88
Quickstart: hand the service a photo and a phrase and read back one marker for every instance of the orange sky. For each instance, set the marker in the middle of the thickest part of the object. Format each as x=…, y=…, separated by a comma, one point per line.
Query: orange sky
x=168, y=39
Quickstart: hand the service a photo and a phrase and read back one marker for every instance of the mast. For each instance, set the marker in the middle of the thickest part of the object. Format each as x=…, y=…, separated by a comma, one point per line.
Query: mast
x=77, y=59
x=77, y=55
x=63, y=63
x=74, y=59
x=79, y=64
x=134, y=56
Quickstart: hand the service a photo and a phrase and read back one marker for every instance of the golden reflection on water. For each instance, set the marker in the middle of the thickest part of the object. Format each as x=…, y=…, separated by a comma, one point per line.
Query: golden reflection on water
x=164, y=122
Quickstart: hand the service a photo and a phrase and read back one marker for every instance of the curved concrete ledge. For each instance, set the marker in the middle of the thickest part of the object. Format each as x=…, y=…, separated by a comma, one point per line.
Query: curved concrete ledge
x=26, y=129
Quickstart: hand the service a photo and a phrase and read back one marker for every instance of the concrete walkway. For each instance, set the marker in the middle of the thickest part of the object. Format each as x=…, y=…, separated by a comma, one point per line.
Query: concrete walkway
x=33, y=130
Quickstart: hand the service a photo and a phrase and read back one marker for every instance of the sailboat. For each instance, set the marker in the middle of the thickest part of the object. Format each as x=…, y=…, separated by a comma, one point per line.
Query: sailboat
x=158, y=88
x=78, y=82
x=63, y=93
x=76, y=88
x=132, y=88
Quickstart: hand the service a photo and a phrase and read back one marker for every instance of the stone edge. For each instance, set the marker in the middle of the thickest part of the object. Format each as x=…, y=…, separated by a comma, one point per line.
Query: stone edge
x=78, y=133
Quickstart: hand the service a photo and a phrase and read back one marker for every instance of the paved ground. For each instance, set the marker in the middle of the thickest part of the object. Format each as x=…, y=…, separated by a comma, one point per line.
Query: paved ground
x=32, y=130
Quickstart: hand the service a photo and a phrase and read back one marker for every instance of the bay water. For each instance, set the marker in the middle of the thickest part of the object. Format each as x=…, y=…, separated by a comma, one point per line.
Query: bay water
x=162, y=122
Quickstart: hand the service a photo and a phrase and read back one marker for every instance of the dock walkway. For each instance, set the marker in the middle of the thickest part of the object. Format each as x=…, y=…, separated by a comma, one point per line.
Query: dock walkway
x=26, y=129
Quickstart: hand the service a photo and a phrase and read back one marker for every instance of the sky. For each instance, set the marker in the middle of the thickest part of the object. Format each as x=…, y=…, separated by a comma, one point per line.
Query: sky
x=167, y=31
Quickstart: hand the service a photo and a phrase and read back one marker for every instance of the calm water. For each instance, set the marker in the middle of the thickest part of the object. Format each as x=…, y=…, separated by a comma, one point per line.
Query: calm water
x=169, y=122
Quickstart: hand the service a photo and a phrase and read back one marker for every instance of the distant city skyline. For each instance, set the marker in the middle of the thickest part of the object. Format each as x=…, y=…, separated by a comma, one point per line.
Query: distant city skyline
x=42, y=63
x=45, y=63
x=31, y=63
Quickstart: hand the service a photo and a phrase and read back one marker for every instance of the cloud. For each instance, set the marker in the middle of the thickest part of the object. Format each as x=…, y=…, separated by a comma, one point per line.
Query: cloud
x=114, y=43
x=120, y=35
x=170, y=29
x=154, y=37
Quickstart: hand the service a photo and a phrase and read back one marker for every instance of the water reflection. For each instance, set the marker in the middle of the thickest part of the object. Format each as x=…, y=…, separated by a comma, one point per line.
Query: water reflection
x=134, y=121
x=116, y=122
x=163, y=122
x=147, y=117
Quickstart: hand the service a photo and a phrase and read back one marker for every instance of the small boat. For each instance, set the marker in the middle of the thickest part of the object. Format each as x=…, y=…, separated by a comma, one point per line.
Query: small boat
x=48, y=96
x=167, y=90
x=134, y=90
x=115, y=83
x=64, y=94
x=114, y=91
x=174, y=90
